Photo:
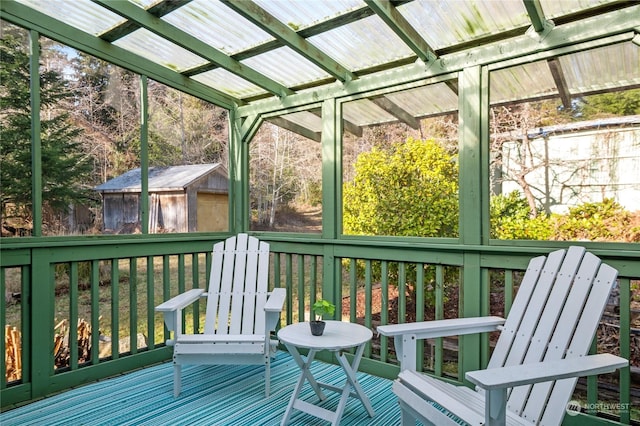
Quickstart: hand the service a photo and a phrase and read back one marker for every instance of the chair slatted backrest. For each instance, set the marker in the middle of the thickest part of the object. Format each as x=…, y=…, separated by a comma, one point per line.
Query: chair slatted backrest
x=555, y=315
x=238, y=286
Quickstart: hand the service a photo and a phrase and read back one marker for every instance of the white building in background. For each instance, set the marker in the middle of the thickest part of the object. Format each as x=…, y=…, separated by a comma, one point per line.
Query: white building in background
x=570, y=164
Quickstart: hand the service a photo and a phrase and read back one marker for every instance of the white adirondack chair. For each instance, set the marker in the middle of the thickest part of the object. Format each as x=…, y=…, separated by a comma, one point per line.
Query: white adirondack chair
x=541, y=351
x=240, y=313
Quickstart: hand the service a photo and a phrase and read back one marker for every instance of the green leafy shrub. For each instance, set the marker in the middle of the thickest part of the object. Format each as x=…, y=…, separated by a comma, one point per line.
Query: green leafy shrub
x=600, y=221
x=410, y=189
x=511, y=219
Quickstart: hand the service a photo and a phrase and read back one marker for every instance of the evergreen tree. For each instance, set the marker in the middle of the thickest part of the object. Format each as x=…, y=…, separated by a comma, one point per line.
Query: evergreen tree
x=64, y=167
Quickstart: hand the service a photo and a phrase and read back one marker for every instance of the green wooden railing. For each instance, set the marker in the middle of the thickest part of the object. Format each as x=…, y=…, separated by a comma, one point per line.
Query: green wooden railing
x=112, y=285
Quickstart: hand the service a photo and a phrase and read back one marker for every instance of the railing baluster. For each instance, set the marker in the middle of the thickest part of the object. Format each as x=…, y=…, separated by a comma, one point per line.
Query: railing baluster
x=508, y=291
x=5, y=330
x=151, y=303
x=195, y=283
x=115, y=308
x=625, y=350
x=384, y=313
x=439, y=314
x=95, y=311
x=353, y=288
x=289, y=285
x=419, y=297
x=313, y=280
x=133, y=305
x=73, y=315
x=301, y=294
x=166, y=285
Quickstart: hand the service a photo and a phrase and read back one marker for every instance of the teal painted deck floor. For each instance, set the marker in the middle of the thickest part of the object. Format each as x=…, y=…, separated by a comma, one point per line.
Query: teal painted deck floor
x=211, y=395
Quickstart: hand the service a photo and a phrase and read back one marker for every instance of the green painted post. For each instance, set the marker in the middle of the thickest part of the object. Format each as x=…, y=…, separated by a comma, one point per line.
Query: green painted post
x=144, y=155
x=331, y=197
x=235, y=165
x=36, y=143
x=473, y=110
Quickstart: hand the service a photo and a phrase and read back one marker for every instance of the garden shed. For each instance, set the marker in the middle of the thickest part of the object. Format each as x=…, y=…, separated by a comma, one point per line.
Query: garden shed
x=185, y=198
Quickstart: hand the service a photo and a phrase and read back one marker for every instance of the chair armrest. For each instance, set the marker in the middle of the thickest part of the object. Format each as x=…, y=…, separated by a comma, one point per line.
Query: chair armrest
x=441, y=328
x=172, y=310
x=180, y=301
x=525, y=374
x=272, y=309
x=275, y=302
x=407, y=335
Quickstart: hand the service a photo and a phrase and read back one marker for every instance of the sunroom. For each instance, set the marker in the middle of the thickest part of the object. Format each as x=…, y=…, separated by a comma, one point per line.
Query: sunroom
x=404, y=159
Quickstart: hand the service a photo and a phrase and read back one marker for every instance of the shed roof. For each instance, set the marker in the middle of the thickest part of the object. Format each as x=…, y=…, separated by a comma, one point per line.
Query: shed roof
x=173, y=178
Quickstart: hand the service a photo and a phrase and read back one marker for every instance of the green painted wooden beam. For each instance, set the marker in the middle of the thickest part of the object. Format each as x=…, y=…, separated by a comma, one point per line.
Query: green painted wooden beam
x=561, y=82
x=393, y=109
x=27, y=17
x=350, y=127
x=394, y=20
x=286, y=35
x=536, y=14
x=185, y=40
x=158, y=10
x=295, y=128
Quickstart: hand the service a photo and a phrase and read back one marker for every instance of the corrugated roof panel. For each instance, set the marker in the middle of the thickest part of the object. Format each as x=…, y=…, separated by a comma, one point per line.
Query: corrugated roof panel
x=426, y=100
x=301, y=14
x=286, y=66
x=520, y=82
x=82, y=14
x=447, y=23
x=224, y=81
x=153, y=47
x=555, y=8
x=145, y=4
x=605, y=67
x=232, y=32
x=362, y=44
x=363, y=112
x=305, y=119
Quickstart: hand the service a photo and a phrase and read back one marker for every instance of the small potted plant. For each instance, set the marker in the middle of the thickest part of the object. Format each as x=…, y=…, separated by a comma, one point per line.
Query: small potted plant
x=320, y=309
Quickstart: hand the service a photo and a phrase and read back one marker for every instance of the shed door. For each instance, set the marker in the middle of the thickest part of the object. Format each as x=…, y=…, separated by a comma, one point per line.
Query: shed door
x=213, y=212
